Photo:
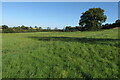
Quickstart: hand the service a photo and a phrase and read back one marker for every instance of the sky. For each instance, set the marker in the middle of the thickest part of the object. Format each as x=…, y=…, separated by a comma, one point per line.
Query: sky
x=119, y=10
x=60, y=0
x=52, y=14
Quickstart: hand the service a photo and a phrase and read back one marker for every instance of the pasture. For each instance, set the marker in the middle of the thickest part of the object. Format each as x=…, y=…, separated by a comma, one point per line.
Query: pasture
x=92, y=54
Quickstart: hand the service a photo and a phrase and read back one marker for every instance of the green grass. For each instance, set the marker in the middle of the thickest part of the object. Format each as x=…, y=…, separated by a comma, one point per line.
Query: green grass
x=60, y=54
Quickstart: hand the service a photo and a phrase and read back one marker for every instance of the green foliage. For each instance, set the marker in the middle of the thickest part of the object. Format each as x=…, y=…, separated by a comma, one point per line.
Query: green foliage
x=55, y=28
x=23, y=29
x=48, y=28
x=72, y=29
x=40, y=27
x=60, y=54
x=109, y=26
x=92, y=19
x=36, y=27
x=8, y=30
x=20, y=29
x=67, y=28
x=4, y=26
x=117, y=21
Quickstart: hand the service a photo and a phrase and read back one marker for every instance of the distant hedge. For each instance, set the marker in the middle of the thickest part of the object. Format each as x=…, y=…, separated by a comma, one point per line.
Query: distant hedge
x=23, y=29
x=81, y=28
x=109, y=26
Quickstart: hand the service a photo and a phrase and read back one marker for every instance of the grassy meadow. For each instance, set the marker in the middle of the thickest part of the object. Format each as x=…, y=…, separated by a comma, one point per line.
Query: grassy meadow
x=90, y=54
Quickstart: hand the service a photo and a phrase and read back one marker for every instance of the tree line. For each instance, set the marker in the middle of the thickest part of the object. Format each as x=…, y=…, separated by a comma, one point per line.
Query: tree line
x=91, y=20
x=102, y=27
x=23, y=29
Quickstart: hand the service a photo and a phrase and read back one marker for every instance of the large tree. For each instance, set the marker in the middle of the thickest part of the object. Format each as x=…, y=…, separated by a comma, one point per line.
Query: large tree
x=93, y=18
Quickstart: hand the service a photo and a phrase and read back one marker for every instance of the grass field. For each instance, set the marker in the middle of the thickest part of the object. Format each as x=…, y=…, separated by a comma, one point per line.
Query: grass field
x=60, y=54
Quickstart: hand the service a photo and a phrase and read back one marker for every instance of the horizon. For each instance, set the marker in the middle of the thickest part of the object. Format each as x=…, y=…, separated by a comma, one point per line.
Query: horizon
x=53, y=14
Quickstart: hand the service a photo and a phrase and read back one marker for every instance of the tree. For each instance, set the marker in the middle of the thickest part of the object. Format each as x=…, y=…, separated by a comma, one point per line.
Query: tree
x=40, y=28
x=48, y=28
x=22, y=27
x=93, y=19
x=4, y=27
x=67, y=28
x=30, y=27
x=117, y=21
x=116, y=24
x=36, y=27
x=55, y=28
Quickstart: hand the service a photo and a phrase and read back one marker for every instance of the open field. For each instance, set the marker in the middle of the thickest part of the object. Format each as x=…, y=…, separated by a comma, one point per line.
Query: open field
x=60, y=54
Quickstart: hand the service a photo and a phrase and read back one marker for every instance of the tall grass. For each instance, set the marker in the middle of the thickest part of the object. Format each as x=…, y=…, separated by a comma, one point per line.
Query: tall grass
x=61, y=54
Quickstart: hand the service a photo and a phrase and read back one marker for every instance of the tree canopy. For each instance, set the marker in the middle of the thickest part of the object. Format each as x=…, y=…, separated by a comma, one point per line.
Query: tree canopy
x=117, y=21
x=4, y=26
x=93, y=18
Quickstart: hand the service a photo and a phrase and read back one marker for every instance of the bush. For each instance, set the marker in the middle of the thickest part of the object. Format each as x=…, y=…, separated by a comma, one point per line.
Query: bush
x=8, y=30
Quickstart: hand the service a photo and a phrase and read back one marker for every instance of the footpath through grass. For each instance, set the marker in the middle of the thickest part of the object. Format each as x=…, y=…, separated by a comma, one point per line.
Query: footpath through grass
x=60, y=54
